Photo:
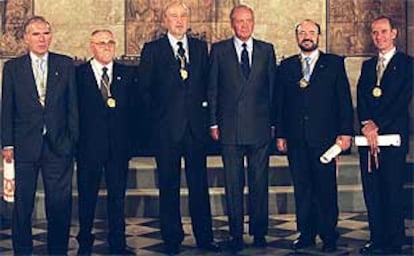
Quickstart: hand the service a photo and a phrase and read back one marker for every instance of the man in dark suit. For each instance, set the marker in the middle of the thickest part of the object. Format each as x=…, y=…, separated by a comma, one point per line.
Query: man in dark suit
x=105, y=89
x=385, y=89
x=315, y=112
x=241, y=82
x=39, y=131
x=173, y=72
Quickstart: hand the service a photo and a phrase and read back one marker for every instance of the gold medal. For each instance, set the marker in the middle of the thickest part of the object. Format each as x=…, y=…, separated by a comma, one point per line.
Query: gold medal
x=111, y=102
x=184, y=74
x=303, y=83
x=377, y=92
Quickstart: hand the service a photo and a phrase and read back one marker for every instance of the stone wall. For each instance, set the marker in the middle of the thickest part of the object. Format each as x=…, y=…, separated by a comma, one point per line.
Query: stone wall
x=72, y=22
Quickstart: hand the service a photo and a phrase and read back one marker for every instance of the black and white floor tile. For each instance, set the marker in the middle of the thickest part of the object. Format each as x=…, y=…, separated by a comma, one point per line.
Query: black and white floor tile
x=144, y=238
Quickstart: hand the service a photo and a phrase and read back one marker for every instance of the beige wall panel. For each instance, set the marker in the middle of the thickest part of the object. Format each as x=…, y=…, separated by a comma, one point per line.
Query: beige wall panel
x=276, y=20
x=73, y=21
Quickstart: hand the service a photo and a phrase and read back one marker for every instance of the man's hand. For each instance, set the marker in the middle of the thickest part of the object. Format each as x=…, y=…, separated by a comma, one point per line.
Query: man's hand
x=8, y=155
x=214, y=133
x=281, y=145
x=370, y=131
x=344, y=141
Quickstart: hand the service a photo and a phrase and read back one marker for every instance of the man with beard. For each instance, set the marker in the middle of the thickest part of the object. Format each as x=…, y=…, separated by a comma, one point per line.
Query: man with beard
x=317, y=114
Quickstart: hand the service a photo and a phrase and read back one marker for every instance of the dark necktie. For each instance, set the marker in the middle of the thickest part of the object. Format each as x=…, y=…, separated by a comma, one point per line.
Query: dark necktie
x=104, y=83
x=181, y=51
x=245, y=65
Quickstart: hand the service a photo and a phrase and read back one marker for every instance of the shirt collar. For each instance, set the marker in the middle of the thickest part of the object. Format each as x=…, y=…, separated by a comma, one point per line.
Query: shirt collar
x=387, y=57
x=173, y=41
x=34, y=57
x=313, y=56
x=238, y=43
x=96, y=64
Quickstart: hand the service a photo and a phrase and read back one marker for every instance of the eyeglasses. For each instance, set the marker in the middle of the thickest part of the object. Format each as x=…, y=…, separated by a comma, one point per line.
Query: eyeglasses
x=105, y=43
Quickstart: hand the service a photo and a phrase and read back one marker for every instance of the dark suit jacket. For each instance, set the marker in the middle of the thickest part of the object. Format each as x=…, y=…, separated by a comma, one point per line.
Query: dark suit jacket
x=391, y=111
x=104, y=131
x=242, y=108
x=23, y=117
x=319, y=113
x=173, y=103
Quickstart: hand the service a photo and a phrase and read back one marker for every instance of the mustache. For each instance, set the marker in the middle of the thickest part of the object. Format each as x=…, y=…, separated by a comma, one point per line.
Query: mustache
x=307, y=40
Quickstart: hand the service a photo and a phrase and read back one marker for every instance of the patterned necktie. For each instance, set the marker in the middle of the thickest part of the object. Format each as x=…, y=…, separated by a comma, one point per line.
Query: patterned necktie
x=41, y=79
x=307, y=68
x=245, y=65
x=380, y=69
x=180, y=51
x=104, y=83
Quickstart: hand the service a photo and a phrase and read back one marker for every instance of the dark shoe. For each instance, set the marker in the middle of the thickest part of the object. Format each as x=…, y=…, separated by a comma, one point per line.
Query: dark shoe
x=85, y=243
x=172, y=249
x=302, y=243
x=393, y=250
x=84, y=251
x=123, y=251
x=259, y=242
x=236, y=245
x=371, y=248
x=329, y=247
x=210, y=246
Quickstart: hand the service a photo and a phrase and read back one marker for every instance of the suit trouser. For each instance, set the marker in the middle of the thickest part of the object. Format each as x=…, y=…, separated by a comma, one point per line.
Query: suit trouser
x=89, y=176
x=383, y=193
x=169, y=174
x=315, y=191
x=257, y=175
x=57, y=179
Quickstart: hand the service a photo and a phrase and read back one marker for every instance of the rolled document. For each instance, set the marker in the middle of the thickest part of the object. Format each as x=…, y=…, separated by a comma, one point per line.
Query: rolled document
x=330, y=154
x=8, y=181
x=383, y=140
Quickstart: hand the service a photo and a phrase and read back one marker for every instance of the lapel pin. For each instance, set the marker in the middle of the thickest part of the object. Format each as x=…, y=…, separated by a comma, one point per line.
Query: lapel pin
x=118, y=78
x=56, y=73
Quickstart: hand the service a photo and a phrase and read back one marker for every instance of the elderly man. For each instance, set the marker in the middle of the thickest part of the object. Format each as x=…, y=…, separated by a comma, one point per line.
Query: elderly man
x=173, y=73
x=39, y=130
x=240, y=94
x=105, y=90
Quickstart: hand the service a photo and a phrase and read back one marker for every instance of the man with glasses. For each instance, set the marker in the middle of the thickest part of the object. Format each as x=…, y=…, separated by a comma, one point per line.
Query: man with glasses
x=104, y=90
x=315, y=113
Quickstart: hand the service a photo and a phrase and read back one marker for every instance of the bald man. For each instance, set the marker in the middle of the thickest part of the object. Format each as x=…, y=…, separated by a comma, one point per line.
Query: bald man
x=315, y=112
x=105, y=90
x=173, y=73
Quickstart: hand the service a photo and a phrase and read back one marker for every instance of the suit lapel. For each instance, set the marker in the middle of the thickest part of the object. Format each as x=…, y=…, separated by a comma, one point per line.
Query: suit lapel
x=53, y=74
x=28, y=75
x=256, y=57
x=320, y=66
x=392, y=66
x=90, y=75
x=193, y=55
x=116, y=79
x=167, y=51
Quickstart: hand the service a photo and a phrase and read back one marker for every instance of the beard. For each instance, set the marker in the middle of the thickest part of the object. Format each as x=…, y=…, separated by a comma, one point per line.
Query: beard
x=308, y=48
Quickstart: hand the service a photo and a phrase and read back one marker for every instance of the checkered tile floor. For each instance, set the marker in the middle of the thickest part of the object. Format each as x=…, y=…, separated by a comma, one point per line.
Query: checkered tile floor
x=145, y=239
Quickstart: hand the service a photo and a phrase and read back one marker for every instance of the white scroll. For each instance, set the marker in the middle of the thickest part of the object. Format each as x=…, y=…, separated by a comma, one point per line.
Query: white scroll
x=330, y=154
x=385, y=140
